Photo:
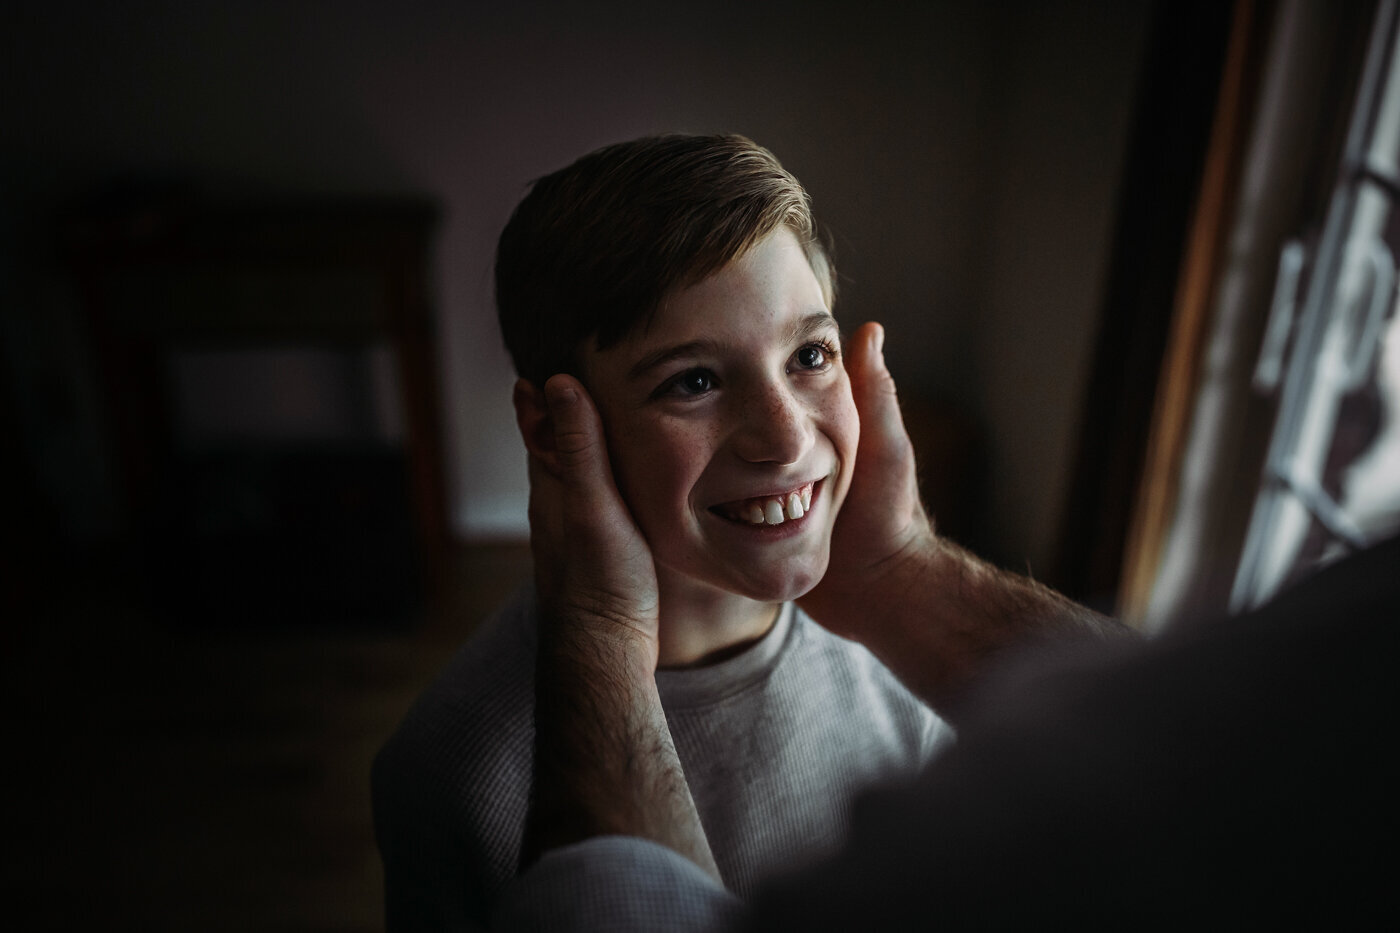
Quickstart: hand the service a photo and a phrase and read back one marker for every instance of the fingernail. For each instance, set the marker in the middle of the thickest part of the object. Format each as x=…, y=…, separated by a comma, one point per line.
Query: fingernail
x=561, y=394
x=879, y=341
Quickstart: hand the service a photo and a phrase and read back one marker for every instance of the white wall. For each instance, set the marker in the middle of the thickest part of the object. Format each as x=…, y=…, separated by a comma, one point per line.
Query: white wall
x=965, y=158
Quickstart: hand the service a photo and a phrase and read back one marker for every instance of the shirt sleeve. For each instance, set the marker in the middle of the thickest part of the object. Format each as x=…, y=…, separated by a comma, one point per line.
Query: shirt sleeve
x=616, y=883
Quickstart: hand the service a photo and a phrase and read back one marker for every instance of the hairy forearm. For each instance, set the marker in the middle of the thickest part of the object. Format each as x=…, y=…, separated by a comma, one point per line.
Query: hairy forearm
x=604, y=760
x=944, y=615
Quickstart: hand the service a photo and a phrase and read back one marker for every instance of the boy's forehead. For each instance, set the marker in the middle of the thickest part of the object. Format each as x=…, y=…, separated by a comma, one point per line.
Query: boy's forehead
x=768, y=292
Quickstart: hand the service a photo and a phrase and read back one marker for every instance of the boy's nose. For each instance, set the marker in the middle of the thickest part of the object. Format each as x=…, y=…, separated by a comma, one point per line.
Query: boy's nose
x=774, y=427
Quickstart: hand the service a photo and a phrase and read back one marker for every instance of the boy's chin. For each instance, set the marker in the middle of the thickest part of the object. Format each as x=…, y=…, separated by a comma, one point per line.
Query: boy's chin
x=782, y=581
x=784, y=586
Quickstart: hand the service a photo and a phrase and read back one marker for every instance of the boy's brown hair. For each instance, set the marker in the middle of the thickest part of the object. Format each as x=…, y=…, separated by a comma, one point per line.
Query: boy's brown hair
x=594, y=248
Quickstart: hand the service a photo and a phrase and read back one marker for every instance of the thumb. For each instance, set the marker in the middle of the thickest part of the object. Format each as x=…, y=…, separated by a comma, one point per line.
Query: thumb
x=580, y=451
x=882, y=430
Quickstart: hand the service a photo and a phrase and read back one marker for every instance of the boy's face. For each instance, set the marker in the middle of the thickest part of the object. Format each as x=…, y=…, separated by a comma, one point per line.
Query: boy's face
x=724, y=416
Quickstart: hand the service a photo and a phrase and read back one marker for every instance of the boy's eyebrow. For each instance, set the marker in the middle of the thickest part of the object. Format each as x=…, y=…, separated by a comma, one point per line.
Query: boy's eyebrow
x=667, y=354
x=809, y=324
x=804, y=326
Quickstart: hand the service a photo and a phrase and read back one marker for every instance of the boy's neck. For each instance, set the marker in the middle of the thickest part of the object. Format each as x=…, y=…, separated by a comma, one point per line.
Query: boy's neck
x=703, y=625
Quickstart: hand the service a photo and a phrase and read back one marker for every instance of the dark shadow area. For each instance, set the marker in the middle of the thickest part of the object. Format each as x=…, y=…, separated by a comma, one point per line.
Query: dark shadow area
x=268, y=396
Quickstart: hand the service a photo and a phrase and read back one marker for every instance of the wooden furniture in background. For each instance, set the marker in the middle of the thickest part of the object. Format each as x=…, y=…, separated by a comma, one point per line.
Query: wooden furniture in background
x=160, y=276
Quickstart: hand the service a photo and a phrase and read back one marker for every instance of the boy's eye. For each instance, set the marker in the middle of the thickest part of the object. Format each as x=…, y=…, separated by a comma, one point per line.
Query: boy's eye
x=690, y=382
x=814, y=355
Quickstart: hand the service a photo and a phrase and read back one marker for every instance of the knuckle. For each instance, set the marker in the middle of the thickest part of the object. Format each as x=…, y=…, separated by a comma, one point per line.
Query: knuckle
x=573, y=441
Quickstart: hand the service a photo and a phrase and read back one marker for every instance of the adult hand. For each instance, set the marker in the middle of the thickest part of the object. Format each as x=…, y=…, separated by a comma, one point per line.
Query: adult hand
x=934, y=613
x=593, y=569
x=605, y=764
x=882, y=529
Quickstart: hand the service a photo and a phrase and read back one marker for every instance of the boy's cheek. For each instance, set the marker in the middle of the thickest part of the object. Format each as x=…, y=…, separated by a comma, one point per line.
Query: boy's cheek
x=843, y=423
x=847, y=430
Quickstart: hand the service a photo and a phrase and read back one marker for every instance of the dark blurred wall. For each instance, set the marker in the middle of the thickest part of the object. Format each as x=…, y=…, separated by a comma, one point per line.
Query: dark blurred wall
x=965, y=156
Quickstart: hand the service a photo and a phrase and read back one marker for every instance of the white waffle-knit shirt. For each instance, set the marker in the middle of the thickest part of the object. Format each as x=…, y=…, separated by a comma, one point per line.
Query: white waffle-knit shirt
x=775, y=743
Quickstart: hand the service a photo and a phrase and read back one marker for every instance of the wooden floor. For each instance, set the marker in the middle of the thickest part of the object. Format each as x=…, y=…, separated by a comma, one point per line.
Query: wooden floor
x=193, y=780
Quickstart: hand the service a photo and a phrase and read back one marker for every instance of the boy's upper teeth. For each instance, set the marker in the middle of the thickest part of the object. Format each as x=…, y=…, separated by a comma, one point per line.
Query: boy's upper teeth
x=774, y=510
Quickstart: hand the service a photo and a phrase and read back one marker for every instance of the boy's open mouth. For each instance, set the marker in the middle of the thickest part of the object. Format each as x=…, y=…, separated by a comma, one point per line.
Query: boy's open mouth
x=769, y=510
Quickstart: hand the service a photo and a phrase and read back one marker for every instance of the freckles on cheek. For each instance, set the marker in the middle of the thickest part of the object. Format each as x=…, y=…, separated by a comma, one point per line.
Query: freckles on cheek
x=839, y=411
x=645, y=461
x=622, y=458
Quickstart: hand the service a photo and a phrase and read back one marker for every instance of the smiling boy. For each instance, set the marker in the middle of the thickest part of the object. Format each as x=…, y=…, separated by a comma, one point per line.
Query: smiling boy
x=682, y=281
x=732, y=435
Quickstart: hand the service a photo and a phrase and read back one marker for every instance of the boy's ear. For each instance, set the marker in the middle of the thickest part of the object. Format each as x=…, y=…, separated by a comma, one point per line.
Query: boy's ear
x=532, y=418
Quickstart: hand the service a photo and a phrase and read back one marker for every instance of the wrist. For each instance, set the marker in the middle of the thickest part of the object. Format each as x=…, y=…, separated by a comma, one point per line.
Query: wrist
x=902, y=589
x=597, y=626
x=874, y=577
x=599, y=644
